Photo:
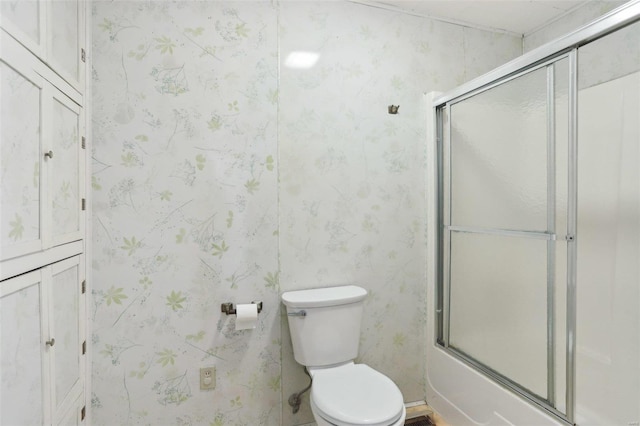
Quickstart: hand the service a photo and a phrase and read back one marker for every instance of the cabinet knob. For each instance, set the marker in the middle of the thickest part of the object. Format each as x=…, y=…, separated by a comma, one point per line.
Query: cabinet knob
x=49, y=154
x=51, y=342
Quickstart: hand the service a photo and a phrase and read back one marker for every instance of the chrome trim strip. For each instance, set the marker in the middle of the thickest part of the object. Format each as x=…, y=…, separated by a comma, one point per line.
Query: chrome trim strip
x=439, y=209
x=572, y=209
x=446, y=289
x=503, y=232
x=500, y=82
x=447, y=220
x=551, y=228
x=617, y=18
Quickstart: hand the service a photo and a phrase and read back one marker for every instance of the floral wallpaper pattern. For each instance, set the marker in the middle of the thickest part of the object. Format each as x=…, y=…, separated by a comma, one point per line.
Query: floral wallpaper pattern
x=185, y=212
x=352, y=177
x=219, y=174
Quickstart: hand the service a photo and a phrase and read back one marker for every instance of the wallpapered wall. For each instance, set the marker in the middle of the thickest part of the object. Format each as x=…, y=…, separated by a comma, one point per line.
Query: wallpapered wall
x=194, y=123
x=185, y=212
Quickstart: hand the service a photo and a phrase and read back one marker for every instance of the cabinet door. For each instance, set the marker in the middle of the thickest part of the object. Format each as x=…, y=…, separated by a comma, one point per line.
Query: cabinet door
x=53, y=30
x=75, y=415
x=21, y=183
x=66, y=312
x=65, y=189
x=42, y=162
x=66, y=34
x=24, y=20
x=21, y=354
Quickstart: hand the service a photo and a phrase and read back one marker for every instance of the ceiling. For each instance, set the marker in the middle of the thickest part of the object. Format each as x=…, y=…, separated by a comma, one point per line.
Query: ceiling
x=516, y=16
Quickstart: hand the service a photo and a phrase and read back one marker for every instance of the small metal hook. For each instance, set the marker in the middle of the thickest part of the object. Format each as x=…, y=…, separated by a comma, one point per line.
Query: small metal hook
x=393, y=109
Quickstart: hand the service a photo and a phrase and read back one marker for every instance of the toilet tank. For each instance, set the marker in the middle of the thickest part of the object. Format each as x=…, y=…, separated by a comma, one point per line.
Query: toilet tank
x=325, y=324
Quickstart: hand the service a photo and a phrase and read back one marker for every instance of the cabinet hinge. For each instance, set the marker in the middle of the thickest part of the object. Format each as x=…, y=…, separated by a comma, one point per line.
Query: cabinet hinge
x=84, y=347
x=83, y=55
x=84, y=204
x=84, y=143
x=83, y=413
x=84, y=286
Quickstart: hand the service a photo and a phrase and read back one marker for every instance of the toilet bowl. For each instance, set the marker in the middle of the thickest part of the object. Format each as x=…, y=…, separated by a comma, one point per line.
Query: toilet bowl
x=325, y=333
x=355, y=395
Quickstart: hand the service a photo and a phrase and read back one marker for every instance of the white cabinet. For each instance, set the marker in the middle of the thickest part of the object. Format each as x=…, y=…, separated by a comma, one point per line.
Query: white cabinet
x=42, y=345
x=21, y=107
x=63, y=164
x=66, y=309
x=25, y=20
x=65, y=50
x=53, y=30
x=42, y=213
x=21, y=350
x=42, y=159
x=75, y=415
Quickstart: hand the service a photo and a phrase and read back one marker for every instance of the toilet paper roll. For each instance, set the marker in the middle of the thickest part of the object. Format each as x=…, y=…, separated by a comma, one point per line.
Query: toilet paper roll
x=246, y=316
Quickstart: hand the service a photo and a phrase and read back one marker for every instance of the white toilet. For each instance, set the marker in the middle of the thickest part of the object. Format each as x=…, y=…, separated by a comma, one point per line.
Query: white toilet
x=325, y=332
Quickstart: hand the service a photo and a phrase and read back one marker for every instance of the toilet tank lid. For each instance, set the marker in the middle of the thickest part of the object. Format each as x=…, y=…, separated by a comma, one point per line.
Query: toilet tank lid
x=326, y=296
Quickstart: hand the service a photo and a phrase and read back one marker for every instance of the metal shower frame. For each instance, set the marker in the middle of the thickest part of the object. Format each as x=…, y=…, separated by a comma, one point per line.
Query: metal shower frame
x=564, y=47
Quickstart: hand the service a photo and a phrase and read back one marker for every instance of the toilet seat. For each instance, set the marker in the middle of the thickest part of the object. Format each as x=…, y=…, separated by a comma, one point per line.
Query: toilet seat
x=356, y=395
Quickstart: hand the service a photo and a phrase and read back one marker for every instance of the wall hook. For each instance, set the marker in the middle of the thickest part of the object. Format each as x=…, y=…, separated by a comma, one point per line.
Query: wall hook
x=393, y=109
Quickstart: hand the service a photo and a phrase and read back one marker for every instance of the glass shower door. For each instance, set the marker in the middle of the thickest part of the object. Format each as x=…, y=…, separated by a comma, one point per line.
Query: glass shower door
x=505, y=198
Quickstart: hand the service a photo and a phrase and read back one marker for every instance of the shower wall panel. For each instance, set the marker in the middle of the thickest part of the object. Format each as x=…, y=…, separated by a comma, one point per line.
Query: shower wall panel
x=608, y=335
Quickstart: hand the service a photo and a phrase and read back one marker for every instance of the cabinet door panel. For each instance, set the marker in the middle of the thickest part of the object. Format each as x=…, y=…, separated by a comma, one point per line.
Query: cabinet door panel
x=23, y=19
x=65, y=35
x=20, y=161
x=73, y=417
x=64, y=170
x=65, y=314
x=21, y=338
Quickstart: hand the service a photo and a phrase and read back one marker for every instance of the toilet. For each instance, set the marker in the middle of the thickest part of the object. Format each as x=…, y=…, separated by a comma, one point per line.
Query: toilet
x=325, y=332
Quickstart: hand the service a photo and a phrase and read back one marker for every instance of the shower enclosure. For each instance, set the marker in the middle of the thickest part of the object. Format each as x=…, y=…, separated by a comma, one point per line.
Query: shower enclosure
x=536, y=237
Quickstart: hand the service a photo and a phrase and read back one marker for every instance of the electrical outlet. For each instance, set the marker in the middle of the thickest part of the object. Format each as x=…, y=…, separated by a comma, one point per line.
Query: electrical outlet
x=207, y=378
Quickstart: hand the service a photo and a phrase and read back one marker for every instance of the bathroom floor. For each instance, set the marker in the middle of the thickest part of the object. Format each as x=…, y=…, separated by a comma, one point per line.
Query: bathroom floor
x=421, y=421
x=423, y=415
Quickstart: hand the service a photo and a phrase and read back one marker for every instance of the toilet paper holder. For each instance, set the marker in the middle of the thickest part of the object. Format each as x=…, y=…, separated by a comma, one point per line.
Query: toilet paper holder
x=230, y=309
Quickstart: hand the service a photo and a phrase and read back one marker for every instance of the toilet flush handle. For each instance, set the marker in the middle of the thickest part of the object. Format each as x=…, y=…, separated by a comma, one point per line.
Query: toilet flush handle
x=297, y=314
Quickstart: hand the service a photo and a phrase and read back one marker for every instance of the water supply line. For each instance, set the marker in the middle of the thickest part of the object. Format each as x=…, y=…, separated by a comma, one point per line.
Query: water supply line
x=295, y=400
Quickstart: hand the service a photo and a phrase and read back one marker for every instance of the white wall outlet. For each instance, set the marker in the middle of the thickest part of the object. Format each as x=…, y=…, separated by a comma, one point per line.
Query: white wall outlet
x=207, y=378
